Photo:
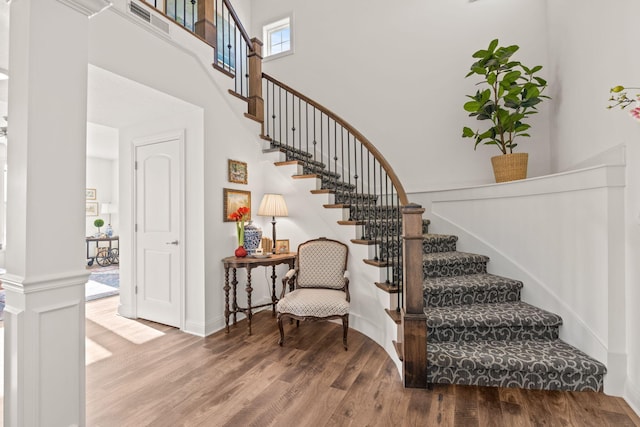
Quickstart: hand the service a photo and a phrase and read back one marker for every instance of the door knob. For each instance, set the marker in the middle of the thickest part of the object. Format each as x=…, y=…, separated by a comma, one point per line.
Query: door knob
x=175, y=242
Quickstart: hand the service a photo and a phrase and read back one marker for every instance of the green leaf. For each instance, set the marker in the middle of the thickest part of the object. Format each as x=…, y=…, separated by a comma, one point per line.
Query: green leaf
x=493, y=45
x=472, y=106
x=480, y=54
x=467, y=132
x=536, y=69
x=491, y=78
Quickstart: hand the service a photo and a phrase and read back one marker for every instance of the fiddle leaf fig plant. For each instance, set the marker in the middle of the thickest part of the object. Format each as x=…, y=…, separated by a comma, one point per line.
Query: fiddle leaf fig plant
x=509, y=94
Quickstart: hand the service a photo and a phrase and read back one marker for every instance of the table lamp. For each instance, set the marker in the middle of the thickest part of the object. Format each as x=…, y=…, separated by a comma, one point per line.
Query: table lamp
x=273, y=205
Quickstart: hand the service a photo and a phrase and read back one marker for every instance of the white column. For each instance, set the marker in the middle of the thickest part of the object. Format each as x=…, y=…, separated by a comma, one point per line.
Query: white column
x=44, y=314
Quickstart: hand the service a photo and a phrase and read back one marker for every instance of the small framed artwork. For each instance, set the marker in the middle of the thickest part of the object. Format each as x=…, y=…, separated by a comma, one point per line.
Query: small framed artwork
x=232, y=200
x=90, y=193
x=92, y=209
x=238, y=172
x=282, y=246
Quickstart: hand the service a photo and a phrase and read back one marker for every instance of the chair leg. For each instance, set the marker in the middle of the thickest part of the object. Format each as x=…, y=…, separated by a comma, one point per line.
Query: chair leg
x=345, y=329
x=281, y=342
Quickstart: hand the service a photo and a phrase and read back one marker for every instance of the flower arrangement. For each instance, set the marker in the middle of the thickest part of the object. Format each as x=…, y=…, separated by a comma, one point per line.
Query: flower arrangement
x=240, y=216
x=622, y=100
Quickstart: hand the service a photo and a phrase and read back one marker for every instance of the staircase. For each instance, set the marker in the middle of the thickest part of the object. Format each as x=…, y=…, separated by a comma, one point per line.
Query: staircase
x=479, y=332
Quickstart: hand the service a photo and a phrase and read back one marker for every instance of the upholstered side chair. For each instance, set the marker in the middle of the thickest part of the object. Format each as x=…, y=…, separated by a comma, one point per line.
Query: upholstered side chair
x=318, y=285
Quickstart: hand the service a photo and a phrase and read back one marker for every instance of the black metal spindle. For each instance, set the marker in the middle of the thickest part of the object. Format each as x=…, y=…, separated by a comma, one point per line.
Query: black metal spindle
x=267, y=107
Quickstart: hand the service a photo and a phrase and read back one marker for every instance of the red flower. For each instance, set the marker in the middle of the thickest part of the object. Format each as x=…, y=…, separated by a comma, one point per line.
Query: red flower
x=235, y=216
x=243, y=210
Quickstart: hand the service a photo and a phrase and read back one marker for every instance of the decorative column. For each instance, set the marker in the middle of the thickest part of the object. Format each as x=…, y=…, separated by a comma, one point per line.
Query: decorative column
x=45, y=258
x=414, y=321
x=256, y=103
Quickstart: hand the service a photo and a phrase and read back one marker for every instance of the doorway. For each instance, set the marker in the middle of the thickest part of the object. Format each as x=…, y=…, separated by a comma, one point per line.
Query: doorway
x=158, y=228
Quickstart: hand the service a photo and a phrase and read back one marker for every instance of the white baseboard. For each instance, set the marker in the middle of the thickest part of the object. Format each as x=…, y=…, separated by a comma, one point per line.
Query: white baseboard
x=632, y=396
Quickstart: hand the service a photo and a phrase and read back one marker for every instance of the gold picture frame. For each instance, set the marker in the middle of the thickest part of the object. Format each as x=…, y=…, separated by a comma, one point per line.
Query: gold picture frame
x=232, y=200
x=282, y=246
x=238, y=172
x=90, y=193
x=92, y=209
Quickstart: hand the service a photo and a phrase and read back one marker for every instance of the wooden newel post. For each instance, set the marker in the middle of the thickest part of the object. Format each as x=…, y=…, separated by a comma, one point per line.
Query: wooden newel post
x=256, y=103
x=414, y=321
x=206, y=24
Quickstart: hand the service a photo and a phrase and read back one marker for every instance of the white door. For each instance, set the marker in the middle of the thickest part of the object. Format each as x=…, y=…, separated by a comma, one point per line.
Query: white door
x=159, y=269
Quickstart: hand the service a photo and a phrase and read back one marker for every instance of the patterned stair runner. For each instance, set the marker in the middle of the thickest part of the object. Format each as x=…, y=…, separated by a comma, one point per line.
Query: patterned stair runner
x=478, y=330
x=480, y=333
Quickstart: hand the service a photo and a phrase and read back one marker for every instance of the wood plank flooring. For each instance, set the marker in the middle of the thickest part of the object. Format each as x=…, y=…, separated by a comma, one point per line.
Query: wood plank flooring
x=144, y=374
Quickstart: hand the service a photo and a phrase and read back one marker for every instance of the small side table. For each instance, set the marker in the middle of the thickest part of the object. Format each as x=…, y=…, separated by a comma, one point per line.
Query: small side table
x=233, y=263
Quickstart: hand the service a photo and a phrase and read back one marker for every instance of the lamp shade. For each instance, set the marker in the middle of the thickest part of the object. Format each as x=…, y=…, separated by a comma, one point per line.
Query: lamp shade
x=108, y=208
x=273, y=205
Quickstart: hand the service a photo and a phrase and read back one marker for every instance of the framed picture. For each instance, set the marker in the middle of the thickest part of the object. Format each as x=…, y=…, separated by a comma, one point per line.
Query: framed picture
x=90, y=193
x=92, y=208
x=282, y=246
x=238, y=172
x=232, y=200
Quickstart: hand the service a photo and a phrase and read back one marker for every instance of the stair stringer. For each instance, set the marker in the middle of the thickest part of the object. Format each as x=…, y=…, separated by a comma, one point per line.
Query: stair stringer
x=574, y=330
x=309, y=219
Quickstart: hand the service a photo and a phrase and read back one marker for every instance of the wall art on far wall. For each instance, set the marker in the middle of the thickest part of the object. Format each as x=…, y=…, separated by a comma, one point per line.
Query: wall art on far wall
x=238, y=172
x=92, y=209
x=232, y=200
x=282, y=246
x=90, y=193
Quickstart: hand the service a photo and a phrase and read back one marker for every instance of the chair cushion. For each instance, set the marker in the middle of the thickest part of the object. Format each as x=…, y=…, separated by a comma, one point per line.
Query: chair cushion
x=314, y=303
x=322, y=263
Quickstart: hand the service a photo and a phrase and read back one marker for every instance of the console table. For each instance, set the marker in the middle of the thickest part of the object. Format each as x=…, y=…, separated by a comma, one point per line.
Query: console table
x=233, y=263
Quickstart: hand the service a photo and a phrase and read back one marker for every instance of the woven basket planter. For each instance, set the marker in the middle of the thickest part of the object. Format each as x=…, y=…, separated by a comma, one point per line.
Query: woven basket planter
x=510, y=167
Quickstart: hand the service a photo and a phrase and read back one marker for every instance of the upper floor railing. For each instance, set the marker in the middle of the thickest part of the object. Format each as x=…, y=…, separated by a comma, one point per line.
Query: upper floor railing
x=217, y=23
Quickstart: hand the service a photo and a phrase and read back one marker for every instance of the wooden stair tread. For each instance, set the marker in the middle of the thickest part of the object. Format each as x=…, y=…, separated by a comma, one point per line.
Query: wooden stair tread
x=336, y=206
x=237, y=95
x=389, y=288
x=287, y=163
x=351, y=222
x=311, y=175
x=375, y=263
x=396, y=316
x=398, y=346
x=323, y=191
x=363, y=242
x=252, y=117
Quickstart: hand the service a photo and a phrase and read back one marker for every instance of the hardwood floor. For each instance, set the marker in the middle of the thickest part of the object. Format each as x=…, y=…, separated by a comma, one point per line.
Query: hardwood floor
x=144, y=374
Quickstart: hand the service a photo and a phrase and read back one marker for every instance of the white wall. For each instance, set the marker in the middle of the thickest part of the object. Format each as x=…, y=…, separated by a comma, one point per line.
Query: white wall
x=102, y=175
x=559, y=234
x=215, y=130
x=396, y=72
x=591, y=49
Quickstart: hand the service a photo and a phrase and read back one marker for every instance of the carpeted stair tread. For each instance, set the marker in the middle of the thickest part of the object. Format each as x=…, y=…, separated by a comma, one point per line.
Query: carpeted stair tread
x=440, y=258
x=470, y=289
x=497, y=321
x=438, y=243
x=517, y=313
x=525, y=355
x=439, y=264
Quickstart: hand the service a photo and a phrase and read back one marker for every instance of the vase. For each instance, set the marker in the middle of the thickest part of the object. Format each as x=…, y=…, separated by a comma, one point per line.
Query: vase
x=241, y=252
x=252, y=237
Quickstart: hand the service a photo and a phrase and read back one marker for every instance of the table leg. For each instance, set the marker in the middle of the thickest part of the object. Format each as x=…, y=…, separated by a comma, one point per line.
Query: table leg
x=273, y=290
x=226, y=299
x=249, y=289
x=234, y=283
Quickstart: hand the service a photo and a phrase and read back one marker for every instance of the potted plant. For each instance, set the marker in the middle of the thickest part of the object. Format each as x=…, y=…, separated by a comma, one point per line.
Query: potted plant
x=98, y=223
x=509, y=94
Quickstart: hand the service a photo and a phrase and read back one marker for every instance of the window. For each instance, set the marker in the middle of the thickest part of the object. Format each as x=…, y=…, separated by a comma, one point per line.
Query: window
x=278, y=38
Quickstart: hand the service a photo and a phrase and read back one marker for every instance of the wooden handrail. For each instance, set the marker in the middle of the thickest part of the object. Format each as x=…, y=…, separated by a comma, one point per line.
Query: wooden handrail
x=239, y=25
x=402, y=195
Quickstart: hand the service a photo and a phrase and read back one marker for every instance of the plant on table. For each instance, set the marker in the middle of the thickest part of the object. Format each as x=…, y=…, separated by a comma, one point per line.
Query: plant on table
x=240, y=216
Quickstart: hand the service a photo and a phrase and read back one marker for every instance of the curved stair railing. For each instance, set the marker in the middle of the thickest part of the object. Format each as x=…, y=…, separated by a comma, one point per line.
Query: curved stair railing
x=349, y=166
x=326, y=147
